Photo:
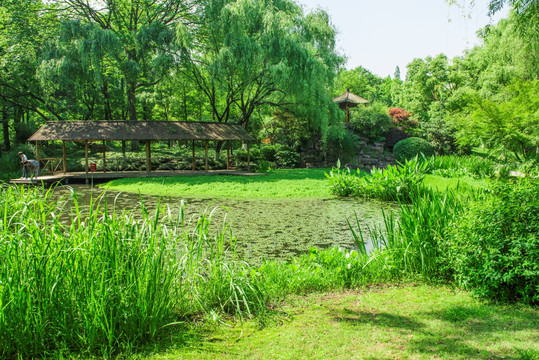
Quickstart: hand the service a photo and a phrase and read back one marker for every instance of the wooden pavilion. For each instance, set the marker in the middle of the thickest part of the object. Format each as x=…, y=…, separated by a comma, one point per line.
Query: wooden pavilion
x=147, y=131
x=347, y=101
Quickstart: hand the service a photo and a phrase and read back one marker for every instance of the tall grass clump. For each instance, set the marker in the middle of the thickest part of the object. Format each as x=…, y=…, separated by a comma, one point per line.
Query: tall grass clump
x=104, y=281
x=393, y=183
x=414, y=237
x=469, y=165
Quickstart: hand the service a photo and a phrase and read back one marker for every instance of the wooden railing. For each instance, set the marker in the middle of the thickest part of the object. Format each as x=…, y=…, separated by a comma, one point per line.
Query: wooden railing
x=51, y=165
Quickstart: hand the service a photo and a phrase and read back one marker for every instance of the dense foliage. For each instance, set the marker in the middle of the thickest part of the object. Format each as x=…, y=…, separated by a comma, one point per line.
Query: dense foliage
x=412, y=147
x=393, y=183
x=494, y=246
x=487, y=242
x=98, y=280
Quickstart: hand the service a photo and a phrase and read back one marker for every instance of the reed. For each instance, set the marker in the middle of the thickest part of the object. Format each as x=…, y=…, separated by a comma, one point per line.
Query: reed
x=414, y=237
x=106, y=280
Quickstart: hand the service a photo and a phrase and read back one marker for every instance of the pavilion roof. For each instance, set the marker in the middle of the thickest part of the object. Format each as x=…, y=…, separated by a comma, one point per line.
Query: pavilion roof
x=350, y=99
x=139, y=130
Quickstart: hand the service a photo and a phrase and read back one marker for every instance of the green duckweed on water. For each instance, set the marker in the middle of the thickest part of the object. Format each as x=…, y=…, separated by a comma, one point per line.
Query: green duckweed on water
x=279, y=184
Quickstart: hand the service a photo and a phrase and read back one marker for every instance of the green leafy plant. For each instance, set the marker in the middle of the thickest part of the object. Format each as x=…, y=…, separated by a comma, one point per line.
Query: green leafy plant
x=392, y=183
x=495, y=244
x=411, y=147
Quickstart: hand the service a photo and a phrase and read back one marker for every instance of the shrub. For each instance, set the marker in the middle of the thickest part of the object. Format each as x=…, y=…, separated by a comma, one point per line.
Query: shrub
x=255, y=153
x=340, y=143
x=241, y=155
x=268, y=153
x=408, y=148
x=393, y=136
x=370, y=122
x=495, y=245
x=287, y=158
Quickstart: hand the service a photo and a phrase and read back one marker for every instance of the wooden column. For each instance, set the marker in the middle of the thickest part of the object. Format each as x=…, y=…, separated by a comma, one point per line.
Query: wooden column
x=248, y=156
x=206, y=155
x=104, y=157
x=228, y=155
x=148, y=157
x=86, y=157
x=64, y=156
x=37, y=151
x=193, y=167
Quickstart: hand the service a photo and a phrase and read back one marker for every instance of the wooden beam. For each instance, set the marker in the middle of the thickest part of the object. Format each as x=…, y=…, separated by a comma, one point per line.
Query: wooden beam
x=148, y=157
x=104, y=157
x=193, y=168
x=206, y=155
x=64, y=156
x=86, y=157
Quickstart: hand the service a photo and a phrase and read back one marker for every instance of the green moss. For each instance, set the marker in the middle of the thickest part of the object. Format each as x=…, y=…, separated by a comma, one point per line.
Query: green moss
x=282, y=183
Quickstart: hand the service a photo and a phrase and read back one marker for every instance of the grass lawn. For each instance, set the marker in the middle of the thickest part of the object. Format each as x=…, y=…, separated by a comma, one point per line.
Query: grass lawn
x=281, y=183
x=463, y=184
x=403, y=322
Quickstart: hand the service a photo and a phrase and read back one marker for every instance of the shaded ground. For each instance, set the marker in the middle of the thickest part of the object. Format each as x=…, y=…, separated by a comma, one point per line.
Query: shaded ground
x=408, y=322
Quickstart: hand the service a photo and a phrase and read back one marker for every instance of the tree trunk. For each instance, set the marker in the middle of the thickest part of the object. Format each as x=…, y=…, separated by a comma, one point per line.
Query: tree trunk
x=131, y=100
x=218, y=147
x=131, y=88
x=18, y=126
x=5, y=123
x=106, y=96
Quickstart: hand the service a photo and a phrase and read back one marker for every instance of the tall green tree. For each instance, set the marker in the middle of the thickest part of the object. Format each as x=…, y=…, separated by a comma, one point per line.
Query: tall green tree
x=364, y=83
x=508, y=123
x=257, y=53
x=24, y=26
x=138, y=37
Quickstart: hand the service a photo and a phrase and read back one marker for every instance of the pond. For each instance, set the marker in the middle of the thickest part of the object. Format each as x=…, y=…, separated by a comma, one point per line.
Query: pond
x=266, y=228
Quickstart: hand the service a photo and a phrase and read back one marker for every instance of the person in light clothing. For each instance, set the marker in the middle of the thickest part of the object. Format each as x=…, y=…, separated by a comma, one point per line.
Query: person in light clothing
x=33, y=165
x=24, y=161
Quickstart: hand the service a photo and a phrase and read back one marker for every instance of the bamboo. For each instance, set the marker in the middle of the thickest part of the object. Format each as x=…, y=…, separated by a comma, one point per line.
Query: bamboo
x=64, y=156
x=148, y=157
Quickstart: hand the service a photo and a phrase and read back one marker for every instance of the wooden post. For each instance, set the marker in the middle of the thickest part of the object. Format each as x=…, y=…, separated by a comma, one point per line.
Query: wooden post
x=37, y=151
x=86, y=156
x=248, y=156
x=228, y=155
x=64, y=156
x=104, y=157
x=148, y=157
x=193, y=168
x=347, y=114
x=206, y=156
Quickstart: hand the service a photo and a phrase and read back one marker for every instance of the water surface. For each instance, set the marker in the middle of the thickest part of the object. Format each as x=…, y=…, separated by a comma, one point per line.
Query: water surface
x=266, y=228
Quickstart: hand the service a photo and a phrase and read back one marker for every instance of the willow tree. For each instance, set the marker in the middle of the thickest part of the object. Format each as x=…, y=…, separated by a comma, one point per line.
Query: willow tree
x=140, y=35
x=23, y=29
x=253, y=53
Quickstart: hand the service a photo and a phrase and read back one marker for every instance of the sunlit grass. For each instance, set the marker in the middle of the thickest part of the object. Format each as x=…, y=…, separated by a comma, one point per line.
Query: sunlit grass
x=463, y=184
x=406, y=322
x=281, y=183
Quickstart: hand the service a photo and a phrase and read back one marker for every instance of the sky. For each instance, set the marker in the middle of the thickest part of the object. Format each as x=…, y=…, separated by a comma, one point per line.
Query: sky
x=383, y=34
